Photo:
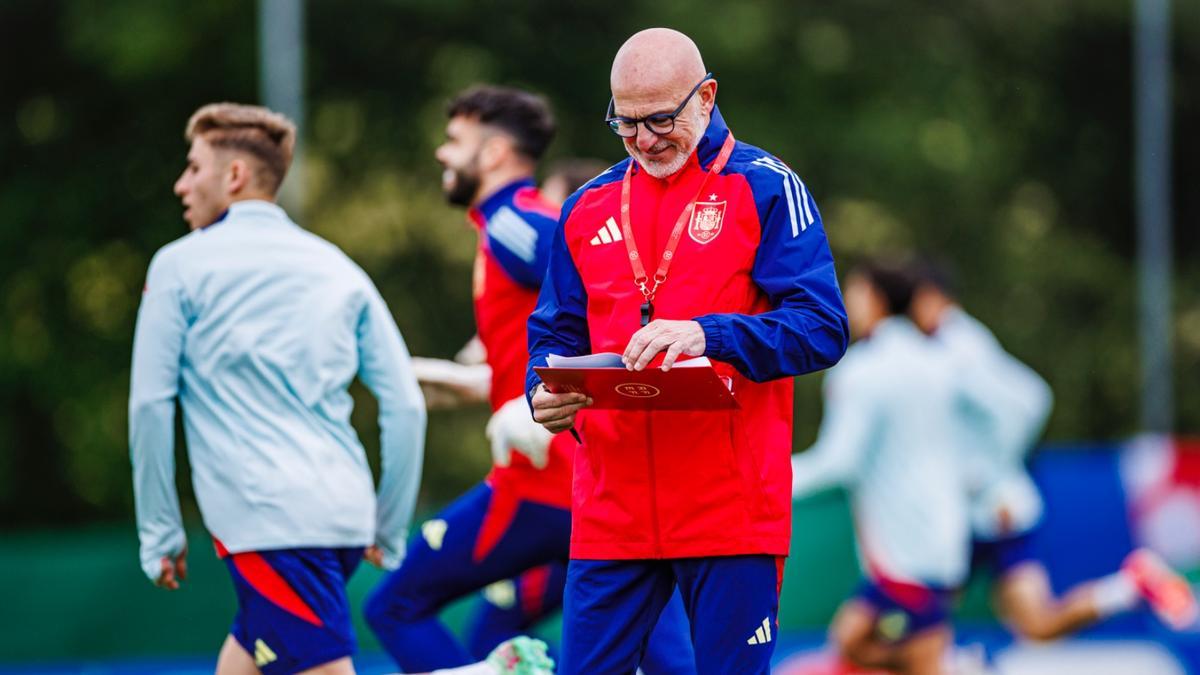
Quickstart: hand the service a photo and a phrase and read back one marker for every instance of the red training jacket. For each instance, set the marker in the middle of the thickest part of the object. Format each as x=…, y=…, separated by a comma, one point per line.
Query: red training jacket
x=754, y=269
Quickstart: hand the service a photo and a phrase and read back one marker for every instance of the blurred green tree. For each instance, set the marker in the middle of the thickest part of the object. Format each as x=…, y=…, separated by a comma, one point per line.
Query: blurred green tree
x=994, y=134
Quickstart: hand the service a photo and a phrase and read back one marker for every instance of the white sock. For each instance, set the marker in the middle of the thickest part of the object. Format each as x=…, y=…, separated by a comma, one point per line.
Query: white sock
x=1114, y=594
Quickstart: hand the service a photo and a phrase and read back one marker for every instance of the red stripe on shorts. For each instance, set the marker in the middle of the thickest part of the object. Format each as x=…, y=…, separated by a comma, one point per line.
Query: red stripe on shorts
x=533, y=586
x=264, y=579
x=501, y=509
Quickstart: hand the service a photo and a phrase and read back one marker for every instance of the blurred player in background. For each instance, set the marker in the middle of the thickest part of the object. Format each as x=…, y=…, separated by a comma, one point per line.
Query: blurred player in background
x=257, y=327
x=885, y=436
x=468, y=378
x=1007, y=413
x=511, y=532
x=507, y=608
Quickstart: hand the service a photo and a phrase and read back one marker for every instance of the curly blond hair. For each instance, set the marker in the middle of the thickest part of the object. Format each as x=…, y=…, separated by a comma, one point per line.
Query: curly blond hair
x=265, y=135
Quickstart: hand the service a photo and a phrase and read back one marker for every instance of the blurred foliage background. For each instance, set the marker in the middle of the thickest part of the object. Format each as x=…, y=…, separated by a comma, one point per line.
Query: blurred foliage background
x=996, y=134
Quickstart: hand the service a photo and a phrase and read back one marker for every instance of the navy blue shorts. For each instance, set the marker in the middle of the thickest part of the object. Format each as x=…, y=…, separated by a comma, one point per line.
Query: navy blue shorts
x=904, y=610
x=1001, y=556
x=731, y=602
x=293, y=612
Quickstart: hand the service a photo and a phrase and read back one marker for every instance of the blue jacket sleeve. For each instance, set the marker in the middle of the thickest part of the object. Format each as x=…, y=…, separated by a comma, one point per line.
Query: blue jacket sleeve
x=807, y=329
x=520, y=243
x=558, y=324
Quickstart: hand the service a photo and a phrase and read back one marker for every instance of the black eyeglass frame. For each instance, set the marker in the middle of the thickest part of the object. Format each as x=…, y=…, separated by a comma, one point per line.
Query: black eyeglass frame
x=659, y=119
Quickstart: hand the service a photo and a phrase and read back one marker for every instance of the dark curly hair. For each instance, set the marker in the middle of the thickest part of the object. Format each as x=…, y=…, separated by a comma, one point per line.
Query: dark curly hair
x=524, y=116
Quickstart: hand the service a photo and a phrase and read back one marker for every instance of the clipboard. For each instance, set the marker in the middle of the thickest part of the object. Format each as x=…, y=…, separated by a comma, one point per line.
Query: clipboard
x=688, y=385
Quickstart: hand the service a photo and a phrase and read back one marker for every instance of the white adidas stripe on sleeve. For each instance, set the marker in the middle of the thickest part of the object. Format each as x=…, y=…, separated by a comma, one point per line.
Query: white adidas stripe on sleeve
x=795, y=190
x=514, y=233
x=787, y=191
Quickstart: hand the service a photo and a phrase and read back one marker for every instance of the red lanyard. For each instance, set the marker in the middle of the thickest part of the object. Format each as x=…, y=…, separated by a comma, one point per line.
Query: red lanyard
x=640, y=279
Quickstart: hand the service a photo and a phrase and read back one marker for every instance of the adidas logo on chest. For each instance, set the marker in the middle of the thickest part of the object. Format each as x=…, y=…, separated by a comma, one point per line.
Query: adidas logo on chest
x=608, y=233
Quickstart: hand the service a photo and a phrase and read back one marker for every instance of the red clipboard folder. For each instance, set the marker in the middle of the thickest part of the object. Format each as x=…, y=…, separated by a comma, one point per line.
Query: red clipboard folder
x=649, y=389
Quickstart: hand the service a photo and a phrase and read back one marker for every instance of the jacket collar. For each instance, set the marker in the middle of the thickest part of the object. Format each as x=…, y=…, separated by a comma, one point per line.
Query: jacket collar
x=712, y=140
x=249, y=207
x=488, y=207
x=257, y=207
x=893, y=327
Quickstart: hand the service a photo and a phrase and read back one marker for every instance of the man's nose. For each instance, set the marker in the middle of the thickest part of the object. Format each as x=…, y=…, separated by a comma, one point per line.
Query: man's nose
x=645, y=138
x=180, y=189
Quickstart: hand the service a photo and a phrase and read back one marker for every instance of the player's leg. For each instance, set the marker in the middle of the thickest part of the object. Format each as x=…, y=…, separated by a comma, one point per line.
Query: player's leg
x=732, y=603
x=669, y=650
x=899, y=627
x=852, y=634
x=510, y=607
x=402, y=610
x=293, y=611
x=925, y=652
x=234, y=660
x=443, y=564
x=609, y=609
x=1027, y=602
x=1023, y=597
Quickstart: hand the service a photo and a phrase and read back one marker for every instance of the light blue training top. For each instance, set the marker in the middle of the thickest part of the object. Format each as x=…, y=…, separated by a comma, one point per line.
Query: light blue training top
x=258, y=327
x=1006, y=414
x=887, y=436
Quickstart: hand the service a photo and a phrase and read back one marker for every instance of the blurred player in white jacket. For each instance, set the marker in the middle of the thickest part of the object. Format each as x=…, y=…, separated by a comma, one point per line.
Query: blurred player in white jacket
x=885, y=436
x=1004, y=416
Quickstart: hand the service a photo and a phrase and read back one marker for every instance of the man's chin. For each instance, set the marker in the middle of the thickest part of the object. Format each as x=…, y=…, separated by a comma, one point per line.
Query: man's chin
x=196, y=220
x=661, y=167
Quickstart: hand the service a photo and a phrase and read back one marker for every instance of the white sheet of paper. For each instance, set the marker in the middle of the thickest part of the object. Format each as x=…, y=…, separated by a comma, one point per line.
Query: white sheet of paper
x=611, y=360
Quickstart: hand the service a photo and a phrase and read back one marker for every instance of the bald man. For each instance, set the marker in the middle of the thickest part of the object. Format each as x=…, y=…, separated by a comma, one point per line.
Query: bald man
x=697, y=245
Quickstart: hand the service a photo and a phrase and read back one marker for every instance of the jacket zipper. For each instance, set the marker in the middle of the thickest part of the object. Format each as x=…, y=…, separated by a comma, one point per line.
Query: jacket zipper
x=653, y=490
x=658, y=191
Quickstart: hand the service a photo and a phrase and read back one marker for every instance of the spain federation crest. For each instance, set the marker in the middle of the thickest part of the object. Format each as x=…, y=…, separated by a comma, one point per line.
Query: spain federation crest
x=707, y=218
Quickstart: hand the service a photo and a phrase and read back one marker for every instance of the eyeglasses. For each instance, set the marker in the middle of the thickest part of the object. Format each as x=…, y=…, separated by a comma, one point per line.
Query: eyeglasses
x=658, y=123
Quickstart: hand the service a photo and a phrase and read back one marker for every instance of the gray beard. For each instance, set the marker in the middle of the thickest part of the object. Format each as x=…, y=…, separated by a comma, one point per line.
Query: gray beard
x=661, y=171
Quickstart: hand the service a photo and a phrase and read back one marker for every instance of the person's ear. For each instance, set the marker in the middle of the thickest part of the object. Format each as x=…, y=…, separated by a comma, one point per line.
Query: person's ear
x=494, y=151
x=708, y=95
x=238, y=176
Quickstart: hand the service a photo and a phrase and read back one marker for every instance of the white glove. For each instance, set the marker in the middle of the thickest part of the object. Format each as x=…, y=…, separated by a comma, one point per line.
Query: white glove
x=512, y=428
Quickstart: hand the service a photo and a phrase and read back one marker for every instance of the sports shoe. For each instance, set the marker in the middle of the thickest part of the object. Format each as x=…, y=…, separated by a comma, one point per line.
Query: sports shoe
x=521, y=656
x=1165, y=590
